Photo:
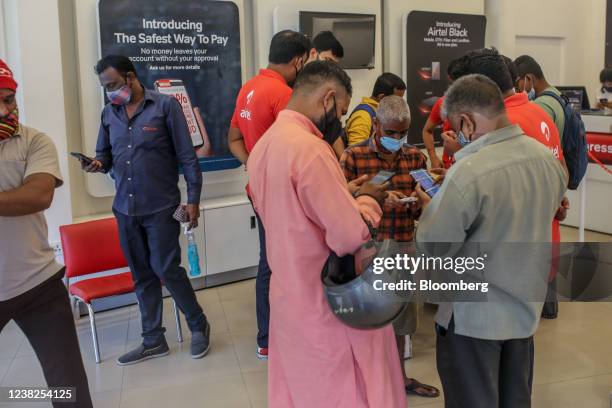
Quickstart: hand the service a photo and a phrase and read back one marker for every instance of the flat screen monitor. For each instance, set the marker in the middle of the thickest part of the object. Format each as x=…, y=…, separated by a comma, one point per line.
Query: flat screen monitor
x=578, y=97
x=356, y=33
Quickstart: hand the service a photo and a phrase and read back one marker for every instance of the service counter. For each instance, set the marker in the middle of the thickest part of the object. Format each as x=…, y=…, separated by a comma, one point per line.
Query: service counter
x=593, y=200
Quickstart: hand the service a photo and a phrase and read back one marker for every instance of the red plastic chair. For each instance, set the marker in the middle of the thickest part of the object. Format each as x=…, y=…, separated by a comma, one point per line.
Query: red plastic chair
x=93, y=247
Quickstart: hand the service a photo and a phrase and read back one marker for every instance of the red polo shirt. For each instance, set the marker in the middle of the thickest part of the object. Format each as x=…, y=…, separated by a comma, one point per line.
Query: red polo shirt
x=258, y=104
x=534, y=121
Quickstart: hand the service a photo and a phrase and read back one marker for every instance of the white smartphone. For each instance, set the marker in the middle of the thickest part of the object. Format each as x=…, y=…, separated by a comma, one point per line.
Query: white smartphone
x=176, y=88
x=409, y=200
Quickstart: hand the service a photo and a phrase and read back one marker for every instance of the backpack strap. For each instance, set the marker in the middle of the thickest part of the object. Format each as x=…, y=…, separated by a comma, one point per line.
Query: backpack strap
x=365, y=107
x=561, y=99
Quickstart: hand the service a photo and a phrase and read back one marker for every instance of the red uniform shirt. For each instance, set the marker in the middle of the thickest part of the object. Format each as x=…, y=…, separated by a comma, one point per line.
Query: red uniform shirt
x=534, y=121
x=258, y=104
x=436, y=117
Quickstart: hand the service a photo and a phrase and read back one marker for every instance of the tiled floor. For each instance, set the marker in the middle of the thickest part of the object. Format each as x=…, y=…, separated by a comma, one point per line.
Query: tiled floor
x=573, y=357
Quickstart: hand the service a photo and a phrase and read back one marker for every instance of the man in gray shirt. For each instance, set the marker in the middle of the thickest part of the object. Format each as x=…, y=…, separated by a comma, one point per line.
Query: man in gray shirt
x=32, y=292
x=504, y=188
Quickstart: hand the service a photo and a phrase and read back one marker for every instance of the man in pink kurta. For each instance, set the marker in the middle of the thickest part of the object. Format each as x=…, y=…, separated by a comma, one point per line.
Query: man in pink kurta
x=301, y=195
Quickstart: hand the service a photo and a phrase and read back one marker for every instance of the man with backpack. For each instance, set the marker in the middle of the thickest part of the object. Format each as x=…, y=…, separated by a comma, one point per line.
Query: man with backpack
x=532, y=81
x=359, y=125
x=568, y=122
x=573, y=140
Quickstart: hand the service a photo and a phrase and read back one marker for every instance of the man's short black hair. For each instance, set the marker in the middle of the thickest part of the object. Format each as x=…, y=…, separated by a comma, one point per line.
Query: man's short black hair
x=121, y=63
x=454, y=69
x=317, y=73
x=527, y=65
x=387, y=84
x=487, y=62
x=327, y=41
x=511, y=69
x=605, y=75
x=473, y=93
x=286, y=45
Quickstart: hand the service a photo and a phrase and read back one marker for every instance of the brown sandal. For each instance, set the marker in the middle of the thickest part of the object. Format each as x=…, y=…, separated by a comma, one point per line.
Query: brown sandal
x=414, y=386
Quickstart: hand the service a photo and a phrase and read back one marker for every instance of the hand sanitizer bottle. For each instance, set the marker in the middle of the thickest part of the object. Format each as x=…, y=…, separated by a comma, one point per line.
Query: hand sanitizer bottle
x=192, y=253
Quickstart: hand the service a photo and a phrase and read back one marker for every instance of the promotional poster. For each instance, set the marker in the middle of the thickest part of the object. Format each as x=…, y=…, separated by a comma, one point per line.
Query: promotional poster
x=188, y=49
x=432, y=41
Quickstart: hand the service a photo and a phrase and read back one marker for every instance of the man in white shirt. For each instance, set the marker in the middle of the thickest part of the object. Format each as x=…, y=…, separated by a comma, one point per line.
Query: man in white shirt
x=32, y=292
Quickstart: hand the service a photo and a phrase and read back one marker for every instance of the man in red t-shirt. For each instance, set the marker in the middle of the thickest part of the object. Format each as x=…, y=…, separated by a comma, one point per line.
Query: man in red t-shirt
x=435, y=120
x=258, y=104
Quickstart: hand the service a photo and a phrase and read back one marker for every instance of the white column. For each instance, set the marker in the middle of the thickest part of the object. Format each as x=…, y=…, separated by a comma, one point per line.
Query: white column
x=33, y=50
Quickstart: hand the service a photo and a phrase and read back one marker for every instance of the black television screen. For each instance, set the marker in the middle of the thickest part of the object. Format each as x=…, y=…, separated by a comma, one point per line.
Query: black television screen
x=356, y=33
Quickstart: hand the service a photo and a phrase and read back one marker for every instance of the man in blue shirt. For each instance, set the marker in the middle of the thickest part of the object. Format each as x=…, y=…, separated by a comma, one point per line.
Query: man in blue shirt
x=144, y=138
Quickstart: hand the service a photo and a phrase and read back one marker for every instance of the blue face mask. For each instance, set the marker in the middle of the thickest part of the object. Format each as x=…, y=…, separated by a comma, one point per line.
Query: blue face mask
x=462, y=139
x=391, y=144
x=531, y=94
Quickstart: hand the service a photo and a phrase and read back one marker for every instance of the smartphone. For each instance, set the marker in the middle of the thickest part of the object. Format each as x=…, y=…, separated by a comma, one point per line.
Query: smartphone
x=382, y=177
x=427, y=182
x=82, y=157
x=176, y=88
x=409, y=200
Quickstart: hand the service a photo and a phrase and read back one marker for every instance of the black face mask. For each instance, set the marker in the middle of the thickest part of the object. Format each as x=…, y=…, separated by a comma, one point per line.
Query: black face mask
x=329, y=125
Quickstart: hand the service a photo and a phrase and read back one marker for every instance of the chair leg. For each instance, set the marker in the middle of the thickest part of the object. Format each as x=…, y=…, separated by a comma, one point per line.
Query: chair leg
x=94, y=331
x=179, y=330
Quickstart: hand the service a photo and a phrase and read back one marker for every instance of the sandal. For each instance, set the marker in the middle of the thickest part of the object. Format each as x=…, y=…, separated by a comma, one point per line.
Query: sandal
x=422, y=390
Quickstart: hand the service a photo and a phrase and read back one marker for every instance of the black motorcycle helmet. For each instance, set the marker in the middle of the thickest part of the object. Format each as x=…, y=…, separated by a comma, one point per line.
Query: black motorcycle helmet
x=352, y=297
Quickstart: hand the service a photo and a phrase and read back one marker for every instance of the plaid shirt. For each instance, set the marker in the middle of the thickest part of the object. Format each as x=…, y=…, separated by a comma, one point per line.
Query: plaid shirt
x=364, y=158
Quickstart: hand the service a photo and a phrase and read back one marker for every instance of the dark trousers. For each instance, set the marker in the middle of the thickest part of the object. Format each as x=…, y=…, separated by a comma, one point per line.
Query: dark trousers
x=150, y=244
x=44, y=315
x=479, y=373
x=262, y=289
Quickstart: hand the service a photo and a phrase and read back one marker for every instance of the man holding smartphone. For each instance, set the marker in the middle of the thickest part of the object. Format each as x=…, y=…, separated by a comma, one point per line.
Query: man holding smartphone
x=384, y=155
x=144, y=138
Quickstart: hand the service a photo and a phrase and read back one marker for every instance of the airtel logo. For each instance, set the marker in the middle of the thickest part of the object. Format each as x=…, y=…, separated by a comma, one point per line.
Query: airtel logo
x=545, y=131
x=250, y=96
x=245, y=114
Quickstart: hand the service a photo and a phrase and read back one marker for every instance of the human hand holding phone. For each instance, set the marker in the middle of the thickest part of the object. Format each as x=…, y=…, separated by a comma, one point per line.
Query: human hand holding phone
x=394, y=200
x=451, y=142
x=376, y=191
x=354, y=185
x=87, y=163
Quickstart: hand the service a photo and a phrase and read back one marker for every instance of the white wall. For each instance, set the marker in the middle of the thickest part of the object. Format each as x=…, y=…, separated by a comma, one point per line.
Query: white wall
x=565, y=36
x=34, y=54
x=287, y=13
x=394, y=12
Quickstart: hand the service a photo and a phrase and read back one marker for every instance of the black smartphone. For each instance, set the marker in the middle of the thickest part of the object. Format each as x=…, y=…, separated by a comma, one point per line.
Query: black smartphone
x=82, y=157
x=382, y=177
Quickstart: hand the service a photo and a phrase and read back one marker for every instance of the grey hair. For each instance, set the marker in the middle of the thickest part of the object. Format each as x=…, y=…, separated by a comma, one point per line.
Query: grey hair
x=393, y=108
x=473, y=93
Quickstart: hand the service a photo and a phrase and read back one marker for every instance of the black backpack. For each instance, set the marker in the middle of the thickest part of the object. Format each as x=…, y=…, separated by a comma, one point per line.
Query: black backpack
x=574, y=143
x=364, y=107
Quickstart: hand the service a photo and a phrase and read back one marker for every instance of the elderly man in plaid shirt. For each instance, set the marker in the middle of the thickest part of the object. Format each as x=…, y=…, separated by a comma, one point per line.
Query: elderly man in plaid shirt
x=387, y=150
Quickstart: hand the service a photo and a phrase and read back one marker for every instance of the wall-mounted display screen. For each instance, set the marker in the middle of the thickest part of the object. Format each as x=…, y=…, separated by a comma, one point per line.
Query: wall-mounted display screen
x=356, y=33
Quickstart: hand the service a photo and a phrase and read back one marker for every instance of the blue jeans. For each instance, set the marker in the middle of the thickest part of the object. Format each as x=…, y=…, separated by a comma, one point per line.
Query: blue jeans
x=150, y=244
x=262, y=289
